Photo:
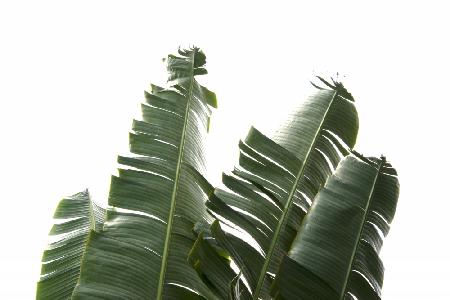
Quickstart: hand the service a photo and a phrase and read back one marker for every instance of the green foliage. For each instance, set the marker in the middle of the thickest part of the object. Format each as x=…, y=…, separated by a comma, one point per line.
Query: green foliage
x=339, y=241
x=302, y=215
x=277, y=178
x=74, y=217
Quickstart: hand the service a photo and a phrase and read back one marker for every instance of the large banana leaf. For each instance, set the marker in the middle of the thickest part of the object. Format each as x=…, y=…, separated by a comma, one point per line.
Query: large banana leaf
x=75, y=216
x=335, y=254
x=269, y=192
x=157, y=197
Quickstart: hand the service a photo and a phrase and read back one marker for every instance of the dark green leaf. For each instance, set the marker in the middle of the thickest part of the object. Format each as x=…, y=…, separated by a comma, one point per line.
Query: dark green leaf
x=74, y=217
x=269, y=192
x=338, y=243
x=157, y=197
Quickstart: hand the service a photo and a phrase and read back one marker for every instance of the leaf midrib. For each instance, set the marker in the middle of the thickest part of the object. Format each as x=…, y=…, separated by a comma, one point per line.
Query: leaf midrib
x=352, y=260
x=283, y=218
x=91, y=215
x=165, y=255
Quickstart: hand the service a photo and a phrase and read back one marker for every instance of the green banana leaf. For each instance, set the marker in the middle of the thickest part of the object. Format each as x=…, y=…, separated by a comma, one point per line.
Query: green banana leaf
x=75, y=216
x=335, y=254
x=270, y=191
x=157, y=197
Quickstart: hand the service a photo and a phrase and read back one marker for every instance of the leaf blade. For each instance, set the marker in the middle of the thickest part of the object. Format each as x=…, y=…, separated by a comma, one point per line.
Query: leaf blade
x=75, y=216
x=276, y=179
x=158, y=195
x=331, y=243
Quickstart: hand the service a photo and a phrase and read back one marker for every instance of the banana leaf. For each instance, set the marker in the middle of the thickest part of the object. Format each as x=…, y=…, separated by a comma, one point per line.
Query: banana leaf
x=267, y=195
x=335, y=255
x=74, y=217
x=157, y=197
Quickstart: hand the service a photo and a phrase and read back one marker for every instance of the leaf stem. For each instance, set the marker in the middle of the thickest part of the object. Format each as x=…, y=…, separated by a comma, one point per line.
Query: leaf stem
x=165, y=255
x=350, y=267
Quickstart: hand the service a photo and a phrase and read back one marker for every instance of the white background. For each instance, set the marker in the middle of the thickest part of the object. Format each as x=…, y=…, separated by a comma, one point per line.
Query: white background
x=72, y=74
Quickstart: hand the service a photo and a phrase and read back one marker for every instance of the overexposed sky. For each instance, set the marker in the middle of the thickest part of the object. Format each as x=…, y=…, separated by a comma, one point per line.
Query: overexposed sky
x=72, y=75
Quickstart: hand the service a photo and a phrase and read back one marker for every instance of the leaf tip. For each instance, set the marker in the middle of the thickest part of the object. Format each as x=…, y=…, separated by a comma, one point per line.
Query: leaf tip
x=335, y=85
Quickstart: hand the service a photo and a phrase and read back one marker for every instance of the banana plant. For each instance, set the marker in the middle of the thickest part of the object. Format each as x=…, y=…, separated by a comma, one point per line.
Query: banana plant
x=302, y=215
x=155, y=200
x=271, y=189
x=335, y=255
x=75, y=217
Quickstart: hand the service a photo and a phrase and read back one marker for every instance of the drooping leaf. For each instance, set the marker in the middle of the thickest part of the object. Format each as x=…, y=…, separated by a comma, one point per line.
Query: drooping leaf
x=74, y=217
x=157, y=197
x=269, y=192
x=335, y=254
